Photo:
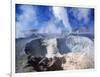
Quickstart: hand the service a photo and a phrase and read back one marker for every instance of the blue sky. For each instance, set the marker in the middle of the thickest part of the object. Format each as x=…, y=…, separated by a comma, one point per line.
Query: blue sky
x=48, y=19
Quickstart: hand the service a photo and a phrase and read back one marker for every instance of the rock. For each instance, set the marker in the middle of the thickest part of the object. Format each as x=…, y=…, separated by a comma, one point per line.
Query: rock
x=77, y=61
x=35, y=48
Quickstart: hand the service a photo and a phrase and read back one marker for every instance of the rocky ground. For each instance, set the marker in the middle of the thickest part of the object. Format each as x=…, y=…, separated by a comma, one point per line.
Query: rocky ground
x=77, y=53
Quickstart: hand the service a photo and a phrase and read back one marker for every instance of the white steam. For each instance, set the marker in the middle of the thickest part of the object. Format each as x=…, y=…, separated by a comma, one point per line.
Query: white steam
x=28, y=20
x=50, y=28
x=27, y=17
x=61, y=14
x=81, y=14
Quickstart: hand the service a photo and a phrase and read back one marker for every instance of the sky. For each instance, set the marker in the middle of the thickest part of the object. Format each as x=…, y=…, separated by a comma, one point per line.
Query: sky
x=52, y=19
